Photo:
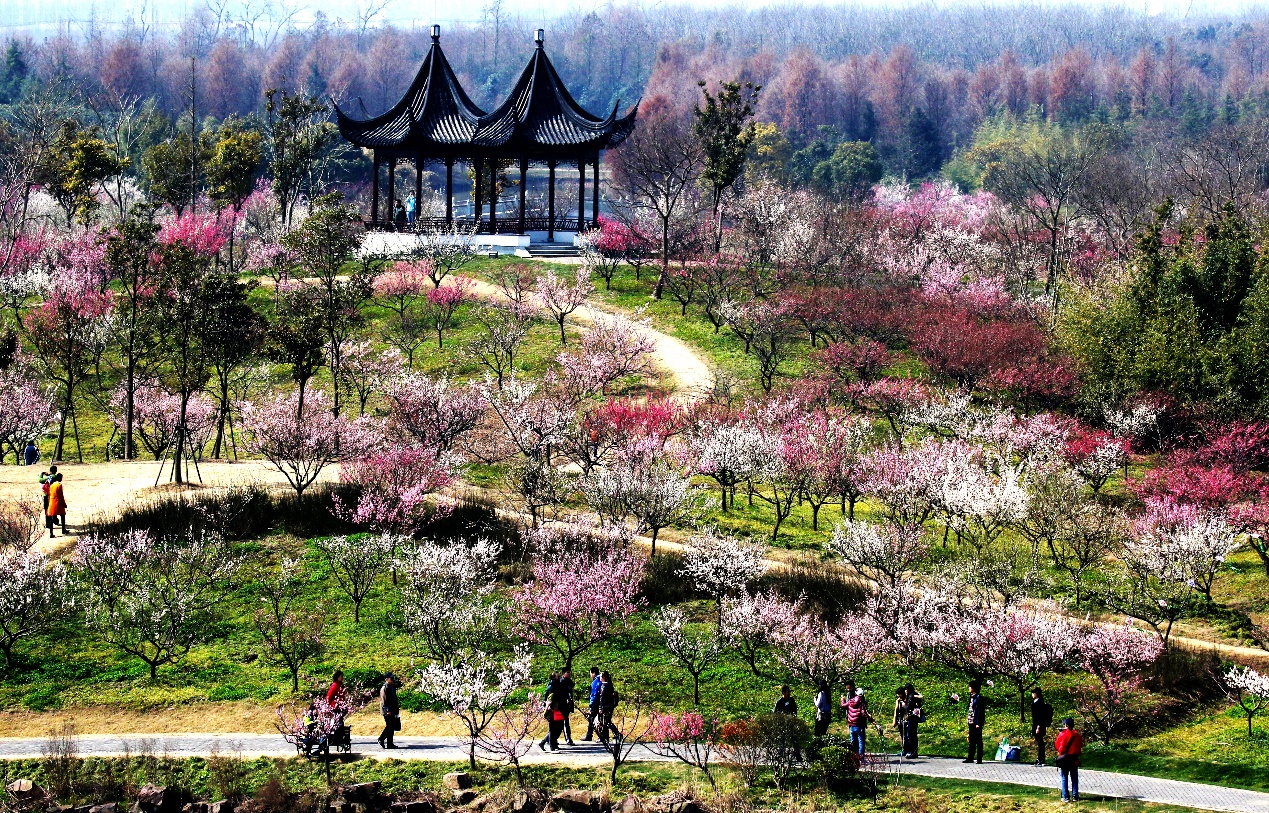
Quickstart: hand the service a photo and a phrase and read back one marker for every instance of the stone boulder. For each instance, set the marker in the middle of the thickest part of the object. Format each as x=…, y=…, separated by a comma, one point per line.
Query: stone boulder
x=575, y=801
x=361, y=793
x=24, y=790
x=108, y=807
x=629, y=804
x=464, y=796
x=674, y=802
x=157, y=799
x=459, y=780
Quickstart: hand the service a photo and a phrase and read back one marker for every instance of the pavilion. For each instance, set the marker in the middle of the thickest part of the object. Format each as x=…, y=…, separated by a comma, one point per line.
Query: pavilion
x=539, y=123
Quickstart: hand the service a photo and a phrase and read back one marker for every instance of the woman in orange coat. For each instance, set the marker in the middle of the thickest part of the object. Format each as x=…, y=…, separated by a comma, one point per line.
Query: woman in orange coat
x=56, y=505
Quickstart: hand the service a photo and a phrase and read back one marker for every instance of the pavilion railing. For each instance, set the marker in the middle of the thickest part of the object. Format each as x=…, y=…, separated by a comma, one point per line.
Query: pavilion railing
x=504, y=225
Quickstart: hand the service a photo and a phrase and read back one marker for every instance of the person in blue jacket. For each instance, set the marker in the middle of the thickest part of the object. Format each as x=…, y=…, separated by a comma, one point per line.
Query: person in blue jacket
x=592, y=708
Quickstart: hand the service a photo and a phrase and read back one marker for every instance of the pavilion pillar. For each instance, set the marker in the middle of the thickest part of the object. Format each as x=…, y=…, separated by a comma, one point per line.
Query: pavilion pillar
x=392, y=190
x=550, y=203
x=374, y=190
x=449, y=192
x=477, y=182
x=594, y=196
x=581, y=196
x=524, y=181
x=418, y=190
x=493, y=195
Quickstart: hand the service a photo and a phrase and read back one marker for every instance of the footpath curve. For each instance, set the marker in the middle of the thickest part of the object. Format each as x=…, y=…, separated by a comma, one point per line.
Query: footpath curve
x=453, y=749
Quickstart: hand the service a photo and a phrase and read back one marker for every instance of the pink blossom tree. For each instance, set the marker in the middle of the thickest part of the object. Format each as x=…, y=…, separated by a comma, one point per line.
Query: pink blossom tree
x=560, y=297
x=403, y=288
x=817, y=650
x=688, y=737
x=1096, y=456
x=21, y=523
x=612, y=348
x=509, y=736
x=300, y=445
x=368, y=370
x=396, y=488
x=291, y=630
x=26, y=409
x=749, y=623
x=436, y=412
x=578, y=600
x=1117, y=656
x=441, y=305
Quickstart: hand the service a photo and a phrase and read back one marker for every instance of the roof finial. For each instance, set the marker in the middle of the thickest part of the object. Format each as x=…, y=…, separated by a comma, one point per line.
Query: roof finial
x=436, y=33
x=539, y=37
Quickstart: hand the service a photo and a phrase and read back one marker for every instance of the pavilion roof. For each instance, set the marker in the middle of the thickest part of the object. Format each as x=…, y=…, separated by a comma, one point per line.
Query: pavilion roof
x=435, y=114
x=539, y=118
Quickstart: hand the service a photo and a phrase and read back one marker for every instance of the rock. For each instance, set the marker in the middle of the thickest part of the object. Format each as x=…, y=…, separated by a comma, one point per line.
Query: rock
x=574, y=801
x=363, y=792
x=23, y=789
x=108, y=807
x=459, y=780
x=157, y=799
x=523, y=802
x=223, y=806
x=338, y=805
x=464, y=796
x=675, y=802
x=83, y=809
x=630, y=804
x=194, y=807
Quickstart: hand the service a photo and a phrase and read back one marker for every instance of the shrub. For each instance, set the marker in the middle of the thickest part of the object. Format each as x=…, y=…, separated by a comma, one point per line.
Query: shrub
x=662, y=583
x=829, y=589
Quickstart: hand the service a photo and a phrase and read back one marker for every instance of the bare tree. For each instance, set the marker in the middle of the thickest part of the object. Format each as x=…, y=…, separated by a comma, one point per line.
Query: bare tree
x=655, y=170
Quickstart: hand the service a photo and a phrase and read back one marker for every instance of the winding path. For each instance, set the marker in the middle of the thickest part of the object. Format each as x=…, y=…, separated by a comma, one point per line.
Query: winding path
x=452, y=749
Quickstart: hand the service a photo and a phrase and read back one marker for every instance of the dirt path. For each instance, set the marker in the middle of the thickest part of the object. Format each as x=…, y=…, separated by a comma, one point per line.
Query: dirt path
x=683, y=368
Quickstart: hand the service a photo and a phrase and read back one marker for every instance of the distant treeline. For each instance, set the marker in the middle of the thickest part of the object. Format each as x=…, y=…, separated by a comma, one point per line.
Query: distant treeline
x=915, y=82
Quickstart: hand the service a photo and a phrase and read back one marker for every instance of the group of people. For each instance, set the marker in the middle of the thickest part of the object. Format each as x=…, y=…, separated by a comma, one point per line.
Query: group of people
x=54, y=500
x=561, y=701
x=403, y=214
x=909, y=714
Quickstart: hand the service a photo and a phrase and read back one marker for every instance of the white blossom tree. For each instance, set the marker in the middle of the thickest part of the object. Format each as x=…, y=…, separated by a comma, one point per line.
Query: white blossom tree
x=475, y=688
x=291, y=630
x=356, y=562
x=446, y=599
x=696, y=647
x=883, y=553
x=1249, y=689
x=34, y=594
x=721, y=565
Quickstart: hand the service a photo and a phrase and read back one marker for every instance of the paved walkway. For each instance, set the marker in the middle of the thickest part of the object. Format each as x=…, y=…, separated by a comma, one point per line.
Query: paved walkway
x=452, y=749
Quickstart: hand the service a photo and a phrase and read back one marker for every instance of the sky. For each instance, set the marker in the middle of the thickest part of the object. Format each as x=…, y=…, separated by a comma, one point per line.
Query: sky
x=47, y=16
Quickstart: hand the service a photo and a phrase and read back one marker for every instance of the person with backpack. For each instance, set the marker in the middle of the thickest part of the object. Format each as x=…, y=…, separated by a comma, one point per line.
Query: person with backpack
x=609, y=698
x=1041, y=720
x=1069, y=746
x=592, y=708
x=974, y=722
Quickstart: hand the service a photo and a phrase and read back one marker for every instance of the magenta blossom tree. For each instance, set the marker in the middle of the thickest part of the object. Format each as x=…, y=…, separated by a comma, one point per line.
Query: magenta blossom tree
x=577, y=600
x=436, y=412
x=440, y=307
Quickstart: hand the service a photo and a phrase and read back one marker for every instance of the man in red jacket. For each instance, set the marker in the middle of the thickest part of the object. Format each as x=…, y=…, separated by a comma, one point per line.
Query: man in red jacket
x=1069, y=745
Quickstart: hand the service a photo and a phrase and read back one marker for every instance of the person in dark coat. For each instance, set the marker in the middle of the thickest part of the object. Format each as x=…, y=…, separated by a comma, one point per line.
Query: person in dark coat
x=31, y=454
x=975, y=720
x=398, y=215
x=608, y=700
x=592, y=708
x=566, y=689
x=390, y=708
x=785, y=704
x=552, y=695
x=1041, y=719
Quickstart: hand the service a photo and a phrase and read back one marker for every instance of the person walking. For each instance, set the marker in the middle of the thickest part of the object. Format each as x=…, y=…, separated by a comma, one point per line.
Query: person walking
x=857, y=717
x=31, y=454
x=592, y=708
x=975, y=720
x=785, y=704
x=566, y=688
x=56, y=505
x=390, y=708
x=823, y=708
x=398, y=215
x=608, y=700
x=1069, y=746
x=44, y=484
x=337, y=697
x=1041, y=720
x=411, y=205
x=551, y=696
